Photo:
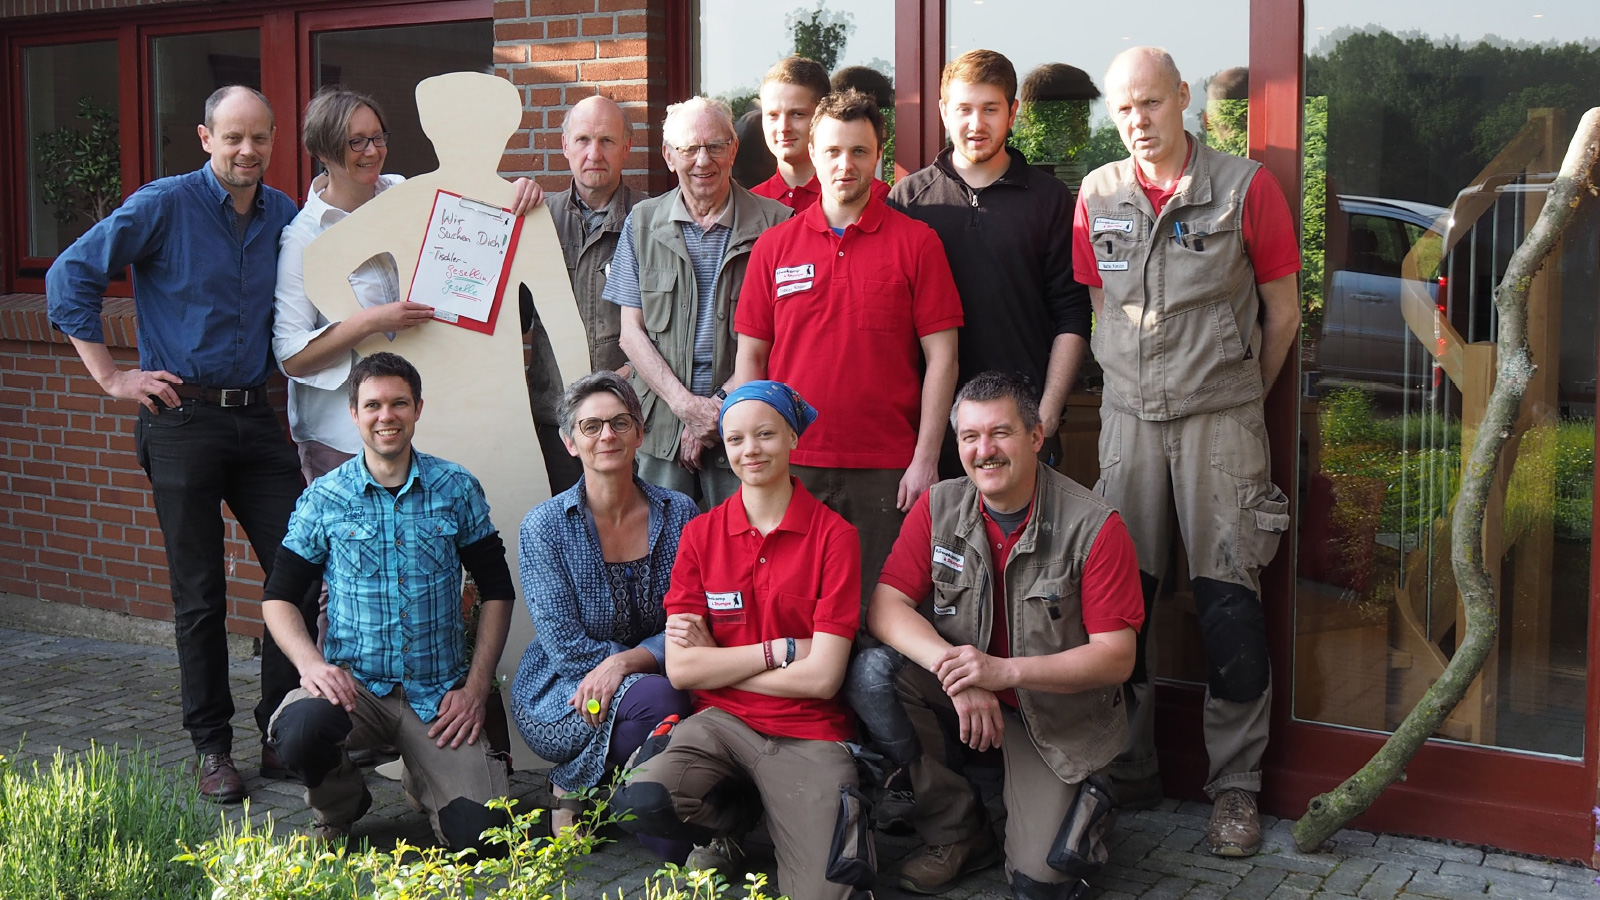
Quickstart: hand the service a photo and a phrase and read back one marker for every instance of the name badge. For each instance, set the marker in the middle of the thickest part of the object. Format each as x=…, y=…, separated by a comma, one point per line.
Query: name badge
x=723, y=602
x=949, y=559
x=785, y=274
x=943, y=610
x=794, y=286
x=1113, y=265
x=1110, y=223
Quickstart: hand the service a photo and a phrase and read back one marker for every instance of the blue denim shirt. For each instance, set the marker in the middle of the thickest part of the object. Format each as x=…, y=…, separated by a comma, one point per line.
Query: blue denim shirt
x=204, y=300
x=393, y=572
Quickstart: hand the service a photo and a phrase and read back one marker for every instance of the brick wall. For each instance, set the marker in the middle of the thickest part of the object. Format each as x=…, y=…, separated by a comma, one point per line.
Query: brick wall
x=559, y=51
x=76, y=521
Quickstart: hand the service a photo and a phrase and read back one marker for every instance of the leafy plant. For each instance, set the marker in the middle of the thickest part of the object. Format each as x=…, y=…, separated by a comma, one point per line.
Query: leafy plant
x=97, y=825
x=80, y=172
x=1052, y=130
x=820, y=34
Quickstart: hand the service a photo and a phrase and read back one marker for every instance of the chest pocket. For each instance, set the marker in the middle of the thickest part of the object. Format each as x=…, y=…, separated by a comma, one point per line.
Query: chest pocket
x=1119, y=236
x=657, y=290
x=1051, y=610
x=884, y=306
x=353, y=548
x=435, y=540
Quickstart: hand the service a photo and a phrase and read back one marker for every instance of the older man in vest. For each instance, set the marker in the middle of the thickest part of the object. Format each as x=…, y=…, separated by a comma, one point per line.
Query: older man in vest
x=676, y=273
x=1014, y=593
x=1191, y=261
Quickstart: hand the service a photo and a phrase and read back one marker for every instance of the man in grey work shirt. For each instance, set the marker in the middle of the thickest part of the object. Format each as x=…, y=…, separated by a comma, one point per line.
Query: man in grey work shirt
x=678, y=268
x=588, y=215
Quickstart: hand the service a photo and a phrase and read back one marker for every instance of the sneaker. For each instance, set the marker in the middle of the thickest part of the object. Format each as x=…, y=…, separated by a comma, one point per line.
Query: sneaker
x=1235, y=827
x=892, y=812
x=722, y=854
x=219, y=779
x=932, y=870
x=1141, y=793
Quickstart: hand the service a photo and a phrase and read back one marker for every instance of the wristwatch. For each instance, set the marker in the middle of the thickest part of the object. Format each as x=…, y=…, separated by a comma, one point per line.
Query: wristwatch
x=720, y=394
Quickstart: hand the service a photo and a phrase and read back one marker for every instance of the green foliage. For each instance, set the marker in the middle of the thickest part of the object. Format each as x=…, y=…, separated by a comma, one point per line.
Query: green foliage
x=1228, y=126
x=1105, y=145
x=1051, y=130
x=673, y=883
x=80, y=172
x=249, y=863
x=888, y=145
x=820, y=34
x=97, y=825
x=1314, y=213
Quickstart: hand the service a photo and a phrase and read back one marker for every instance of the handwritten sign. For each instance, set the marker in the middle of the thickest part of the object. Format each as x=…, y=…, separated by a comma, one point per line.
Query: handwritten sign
x=461, y=272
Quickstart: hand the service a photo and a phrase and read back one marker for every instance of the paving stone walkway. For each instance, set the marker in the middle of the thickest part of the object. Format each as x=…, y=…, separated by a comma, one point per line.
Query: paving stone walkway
x=66, y=692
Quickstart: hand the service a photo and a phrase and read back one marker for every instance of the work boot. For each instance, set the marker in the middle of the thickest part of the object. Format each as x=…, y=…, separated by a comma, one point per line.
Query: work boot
x=272, y=765
x=339, y=835
x=933, y=869
x=722, y=854
x=895, y=804
x=1235, y=827
x=219, y=779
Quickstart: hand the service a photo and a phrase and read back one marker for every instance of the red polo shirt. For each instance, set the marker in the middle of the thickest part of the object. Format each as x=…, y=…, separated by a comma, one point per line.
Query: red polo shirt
x=802, y=578
x=806, y=195
x=1110, y=595
x=845, y=316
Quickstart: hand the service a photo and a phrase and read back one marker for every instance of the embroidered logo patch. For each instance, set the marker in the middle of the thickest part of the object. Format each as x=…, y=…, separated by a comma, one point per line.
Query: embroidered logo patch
x=1113, y=265
x=1109, y=223
x=722, y=602
x=949, y=559
x=793, y=287
x=786, y=274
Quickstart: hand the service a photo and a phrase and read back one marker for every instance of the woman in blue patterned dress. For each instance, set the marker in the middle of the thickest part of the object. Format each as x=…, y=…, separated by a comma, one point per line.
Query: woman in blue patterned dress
x=595, y=561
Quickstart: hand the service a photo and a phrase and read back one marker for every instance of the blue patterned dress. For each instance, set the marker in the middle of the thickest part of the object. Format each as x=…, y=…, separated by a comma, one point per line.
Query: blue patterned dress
x=584, y=610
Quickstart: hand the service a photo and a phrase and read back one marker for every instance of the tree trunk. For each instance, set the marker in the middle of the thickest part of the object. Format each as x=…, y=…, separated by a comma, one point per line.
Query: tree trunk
x=1329, y=812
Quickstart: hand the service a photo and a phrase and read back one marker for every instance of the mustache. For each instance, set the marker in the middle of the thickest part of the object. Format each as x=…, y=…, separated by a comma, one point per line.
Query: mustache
x=980, y=463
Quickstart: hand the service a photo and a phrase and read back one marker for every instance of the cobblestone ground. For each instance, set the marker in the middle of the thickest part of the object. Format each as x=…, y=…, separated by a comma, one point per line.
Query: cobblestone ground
x=66, y=692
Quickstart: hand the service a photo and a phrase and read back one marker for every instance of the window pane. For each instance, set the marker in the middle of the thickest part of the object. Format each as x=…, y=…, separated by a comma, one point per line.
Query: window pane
x=1434, y=129
x=74, y=175
x=185, y=70
x=387, y=63
x=739, y=41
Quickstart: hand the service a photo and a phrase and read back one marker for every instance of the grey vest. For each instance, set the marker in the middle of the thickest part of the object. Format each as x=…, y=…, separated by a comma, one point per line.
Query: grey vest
x=671, y=303
x=1178, y=334
x=1077, y=734
x=587, y=260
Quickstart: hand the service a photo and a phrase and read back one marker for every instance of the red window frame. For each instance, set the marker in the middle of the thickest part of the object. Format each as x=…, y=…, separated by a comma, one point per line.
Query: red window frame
x=285, y=29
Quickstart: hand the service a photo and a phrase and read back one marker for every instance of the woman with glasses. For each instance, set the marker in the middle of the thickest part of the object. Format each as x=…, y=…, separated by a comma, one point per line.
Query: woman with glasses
x=595, y=562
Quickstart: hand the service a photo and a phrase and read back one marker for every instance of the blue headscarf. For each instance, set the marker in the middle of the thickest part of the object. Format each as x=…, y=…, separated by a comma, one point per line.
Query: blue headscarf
x=786, y=400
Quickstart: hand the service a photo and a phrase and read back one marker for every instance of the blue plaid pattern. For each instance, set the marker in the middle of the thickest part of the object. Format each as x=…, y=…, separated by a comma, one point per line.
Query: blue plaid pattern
x=393, y=573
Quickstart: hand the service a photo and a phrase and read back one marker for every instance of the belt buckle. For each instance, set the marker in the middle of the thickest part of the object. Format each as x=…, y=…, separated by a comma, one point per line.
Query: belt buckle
x=231, y=397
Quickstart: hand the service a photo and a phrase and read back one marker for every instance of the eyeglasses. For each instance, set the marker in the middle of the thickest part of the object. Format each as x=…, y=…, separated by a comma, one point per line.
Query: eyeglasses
x=621, y=424
x=714, y=149
x=359, y=144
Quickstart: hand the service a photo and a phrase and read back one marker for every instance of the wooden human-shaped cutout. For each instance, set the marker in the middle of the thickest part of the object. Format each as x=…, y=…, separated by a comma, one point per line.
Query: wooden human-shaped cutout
x=475, y=395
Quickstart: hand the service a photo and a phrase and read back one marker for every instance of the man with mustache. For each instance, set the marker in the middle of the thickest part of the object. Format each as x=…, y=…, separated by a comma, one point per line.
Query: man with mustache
x=1014, y=593
x=1007, y=231
x=849, y=293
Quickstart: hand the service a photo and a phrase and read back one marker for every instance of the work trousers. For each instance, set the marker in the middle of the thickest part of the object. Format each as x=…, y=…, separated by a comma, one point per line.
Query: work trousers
x=947, y=807
x=1209, y=473
x=712, y=484
x=866, y=499
x=314, y=737
x=719, y=773
x=198, y=457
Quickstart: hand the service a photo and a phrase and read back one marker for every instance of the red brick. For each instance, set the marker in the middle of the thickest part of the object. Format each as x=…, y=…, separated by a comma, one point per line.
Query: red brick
x=598, y=25
x=73, y=526
x=629, y=6
x=633, y=24
x=562, y=7
x=510, y=9
x=560, y=28
x=519, y=31
x=564, y=50
x=110, y=550
x=632, y=70
x=628, y=47
x=121, y=498
x=131, y=571
x=537, y=97
x=160, y=611
x=511, y=54
x=549, y=73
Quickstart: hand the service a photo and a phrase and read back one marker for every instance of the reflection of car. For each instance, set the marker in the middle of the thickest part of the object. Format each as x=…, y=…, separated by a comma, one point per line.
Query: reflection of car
x=1364, y=335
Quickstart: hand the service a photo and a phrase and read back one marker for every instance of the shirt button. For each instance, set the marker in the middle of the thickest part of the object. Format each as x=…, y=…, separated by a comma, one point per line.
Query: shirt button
x=402, y=581
x=397, y=542
x=405, y=648
x=752, y=532
x=402, y=612
x=841, y=252
x=763, y=559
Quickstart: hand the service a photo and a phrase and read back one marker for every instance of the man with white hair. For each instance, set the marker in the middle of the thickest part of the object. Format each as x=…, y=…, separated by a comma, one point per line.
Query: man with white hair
x=1192, y=266
x=679, y=265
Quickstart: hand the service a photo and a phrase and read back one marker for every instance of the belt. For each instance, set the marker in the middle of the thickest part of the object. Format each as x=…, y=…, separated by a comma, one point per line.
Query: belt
x=226, y=398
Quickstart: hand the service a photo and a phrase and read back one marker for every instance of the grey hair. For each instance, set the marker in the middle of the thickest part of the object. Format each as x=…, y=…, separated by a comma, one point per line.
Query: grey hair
x=679, y=114
x=601, y=382
x=992, y=385
x=224, y=92
x=1157, y=55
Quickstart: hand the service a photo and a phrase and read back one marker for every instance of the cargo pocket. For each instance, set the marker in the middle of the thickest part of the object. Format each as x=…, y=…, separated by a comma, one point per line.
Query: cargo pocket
x=1079, y=849
x=436, y=545
x=351, y=549
x=1264, y=517
x=852, y=857
x=657, y=294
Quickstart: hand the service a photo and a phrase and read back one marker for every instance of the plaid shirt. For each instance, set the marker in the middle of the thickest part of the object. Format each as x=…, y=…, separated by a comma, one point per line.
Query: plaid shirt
x=393, y=573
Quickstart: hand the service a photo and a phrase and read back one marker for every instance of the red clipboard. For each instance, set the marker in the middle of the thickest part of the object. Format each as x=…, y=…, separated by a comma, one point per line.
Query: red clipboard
x=440, y=239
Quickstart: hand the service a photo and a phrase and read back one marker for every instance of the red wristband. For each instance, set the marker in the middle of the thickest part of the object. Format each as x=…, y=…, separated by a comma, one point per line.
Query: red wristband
x=766, y=650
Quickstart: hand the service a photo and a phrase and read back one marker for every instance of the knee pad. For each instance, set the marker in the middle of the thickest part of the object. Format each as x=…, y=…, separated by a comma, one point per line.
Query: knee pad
x=655, y=743
x=1079, y=849
x=1150, y=584
x=462, y=823
x=654, y=813
x=1235, y=634
x=852, y=855
x=308, y=735
x=1025, y=888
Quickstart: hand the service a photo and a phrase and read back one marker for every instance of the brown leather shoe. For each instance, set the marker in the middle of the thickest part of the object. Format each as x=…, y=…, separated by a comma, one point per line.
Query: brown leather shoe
x=1235, y=826
x=219, y=779
x=931, y=870
x=272, y=766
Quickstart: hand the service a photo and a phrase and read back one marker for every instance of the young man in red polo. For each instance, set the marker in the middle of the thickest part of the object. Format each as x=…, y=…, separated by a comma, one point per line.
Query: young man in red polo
x=847, y=294
x=790, y=92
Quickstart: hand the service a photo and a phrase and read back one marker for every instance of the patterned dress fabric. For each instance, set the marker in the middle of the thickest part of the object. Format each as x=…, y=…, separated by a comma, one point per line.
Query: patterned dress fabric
x=586, y=609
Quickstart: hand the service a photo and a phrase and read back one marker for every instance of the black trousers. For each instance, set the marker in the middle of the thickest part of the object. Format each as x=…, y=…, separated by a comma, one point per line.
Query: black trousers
x=198, y=457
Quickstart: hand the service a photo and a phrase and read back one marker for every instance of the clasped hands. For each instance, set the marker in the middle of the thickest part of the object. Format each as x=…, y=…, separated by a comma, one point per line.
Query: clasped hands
x=971, y=677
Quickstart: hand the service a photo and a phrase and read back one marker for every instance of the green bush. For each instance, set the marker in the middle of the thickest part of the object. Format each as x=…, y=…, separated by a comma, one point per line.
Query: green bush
x=97, y=825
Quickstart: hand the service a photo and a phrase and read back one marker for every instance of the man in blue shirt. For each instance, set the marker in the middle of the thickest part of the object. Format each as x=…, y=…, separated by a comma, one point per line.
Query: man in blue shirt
x=204, y=252
x=389, y=531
